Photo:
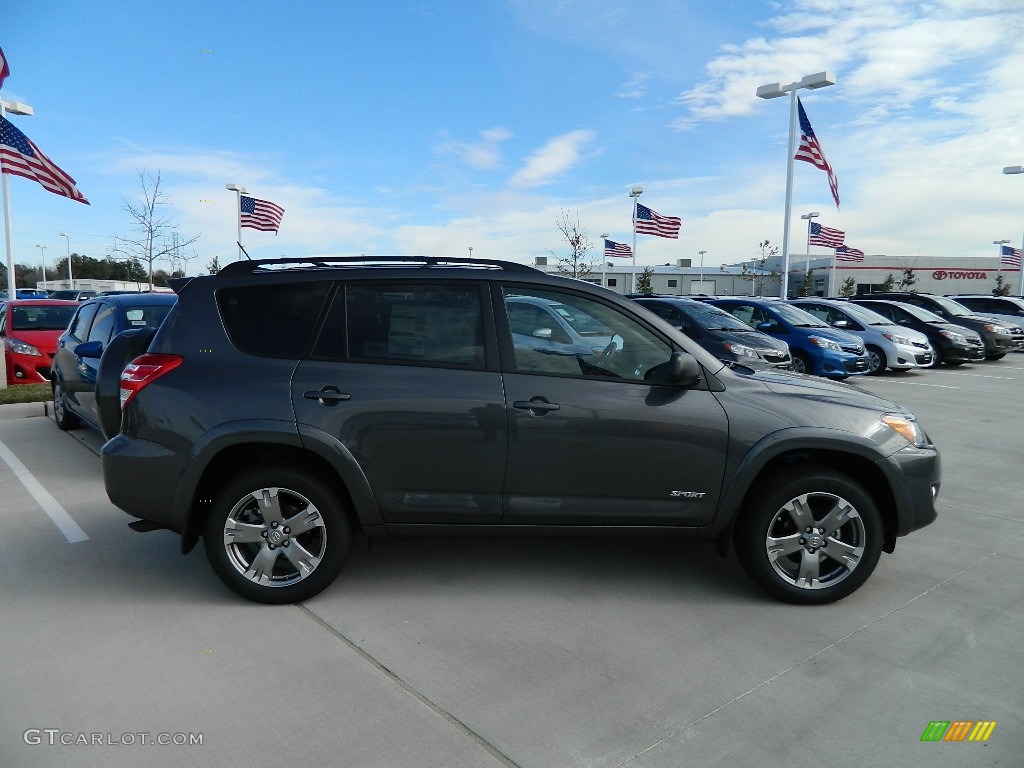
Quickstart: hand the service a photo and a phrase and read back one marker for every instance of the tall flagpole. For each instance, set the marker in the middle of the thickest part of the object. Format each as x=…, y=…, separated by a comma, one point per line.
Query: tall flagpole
x=239, y=191
x=15, y=108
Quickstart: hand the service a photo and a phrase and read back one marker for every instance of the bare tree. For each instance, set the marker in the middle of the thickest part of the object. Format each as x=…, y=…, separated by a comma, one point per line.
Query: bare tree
x=579, y=262
x=759, y=275
x=154, y=232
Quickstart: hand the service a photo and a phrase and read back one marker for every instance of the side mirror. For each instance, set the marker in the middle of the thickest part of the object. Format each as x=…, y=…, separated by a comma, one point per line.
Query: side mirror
x=90, y=349
x=840, y=324
x=766, y=327
x=542, y=333
x=680, y=370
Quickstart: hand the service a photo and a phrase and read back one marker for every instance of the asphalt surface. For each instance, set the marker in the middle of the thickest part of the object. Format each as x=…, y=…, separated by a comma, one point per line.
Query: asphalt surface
x=538, y=654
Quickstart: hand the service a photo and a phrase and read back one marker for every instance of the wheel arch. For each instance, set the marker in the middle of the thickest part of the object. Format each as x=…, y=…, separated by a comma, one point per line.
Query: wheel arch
x=858, y=461
x=336, y=467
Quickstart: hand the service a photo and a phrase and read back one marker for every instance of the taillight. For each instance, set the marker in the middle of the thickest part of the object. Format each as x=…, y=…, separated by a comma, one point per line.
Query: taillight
x=144, y=370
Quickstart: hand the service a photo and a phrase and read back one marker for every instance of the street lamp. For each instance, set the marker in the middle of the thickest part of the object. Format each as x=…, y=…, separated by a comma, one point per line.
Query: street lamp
x=701, y=254
x=635, y=193
x=807, y=260
x=239, y=191
x=15, y=108
x=42, y=256
x=471, y=253
x=1009, y=170
x=71, y=277
x=774, y=91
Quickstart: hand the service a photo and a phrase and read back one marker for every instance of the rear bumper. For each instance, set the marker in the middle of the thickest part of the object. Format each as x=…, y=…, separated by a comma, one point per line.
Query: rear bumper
x=141, y=477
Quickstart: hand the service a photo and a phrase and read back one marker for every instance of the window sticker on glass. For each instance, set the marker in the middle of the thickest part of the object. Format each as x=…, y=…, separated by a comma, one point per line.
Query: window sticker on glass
x=136, y=316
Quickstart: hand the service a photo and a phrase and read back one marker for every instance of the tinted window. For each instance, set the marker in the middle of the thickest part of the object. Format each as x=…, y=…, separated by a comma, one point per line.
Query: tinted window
x=274, y=320
x=79, y=328
x=399, y=323
x=103, y=326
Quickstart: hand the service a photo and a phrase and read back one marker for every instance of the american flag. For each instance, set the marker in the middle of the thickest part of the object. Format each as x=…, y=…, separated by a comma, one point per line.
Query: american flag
x=830, y=238
x=617, y=250
x=650, y=222
x=5, y=68
x=261, y=214
x=20, y=157
x=810, y=151
x=1011, y=257
x=848, y=254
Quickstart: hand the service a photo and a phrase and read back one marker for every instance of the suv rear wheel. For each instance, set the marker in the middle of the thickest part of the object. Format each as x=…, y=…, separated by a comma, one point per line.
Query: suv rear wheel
x=810, y=537
x=276, y=534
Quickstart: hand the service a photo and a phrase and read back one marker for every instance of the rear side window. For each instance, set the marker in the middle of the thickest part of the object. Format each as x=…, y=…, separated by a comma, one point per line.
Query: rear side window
x=274, y=320
x=79, y=328
x=405, y=323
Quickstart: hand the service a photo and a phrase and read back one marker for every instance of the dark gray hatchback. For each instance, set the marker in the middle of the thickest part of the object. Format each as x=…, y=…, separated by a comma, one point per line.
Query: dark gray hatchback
x=285, y=404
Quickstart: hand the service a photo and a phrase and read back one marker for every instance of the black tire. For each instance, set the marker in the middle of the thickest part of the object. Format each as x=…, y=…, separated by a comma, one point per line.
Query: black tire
x=121, y=350
x=64, y=418
x=936, y=357
x=783, y=559
x=801, y=364
x=258, y=560
x=996, y=356
x=877, y=362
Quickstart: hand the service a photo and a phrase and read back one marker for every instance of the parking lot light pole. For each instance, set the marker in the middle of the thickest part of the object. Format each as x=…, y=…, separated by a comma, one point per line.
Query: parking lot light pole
x=14, y=108
x=239, y=191
x=42, y=257
x=71, y=277
x=774, y=91
x=1014, y=169
x=807, y=259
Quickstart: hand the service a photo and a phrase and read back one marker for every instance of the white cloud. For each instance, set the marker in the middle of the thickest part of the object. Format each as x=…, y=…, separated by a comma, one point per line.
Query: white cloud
x=554, y=158
x=481, y=155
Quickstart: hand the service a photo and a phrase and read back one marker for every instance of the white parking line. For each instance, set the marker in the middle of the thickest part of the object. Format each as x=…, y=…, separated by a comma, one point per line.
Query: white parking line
x=919, y=384
x=984, y=376
x=71, y=530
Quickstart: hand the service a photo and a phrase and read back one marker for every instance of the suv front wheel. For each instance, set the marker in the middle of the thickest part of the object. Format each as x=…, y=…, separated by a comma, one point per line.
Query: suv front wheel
x=276, y=534
x=810, y=537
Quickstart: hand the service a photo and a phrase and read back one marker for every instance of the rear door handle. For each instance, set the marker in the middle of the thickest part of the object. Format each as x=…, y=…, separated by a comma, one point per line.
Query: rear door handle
x=327, y=395
x=536, y=404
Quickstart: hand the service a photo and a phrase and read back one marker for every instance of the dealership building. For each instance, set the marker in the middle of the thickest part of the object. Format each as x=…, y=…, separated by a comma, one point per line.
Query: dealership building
x=931, y=274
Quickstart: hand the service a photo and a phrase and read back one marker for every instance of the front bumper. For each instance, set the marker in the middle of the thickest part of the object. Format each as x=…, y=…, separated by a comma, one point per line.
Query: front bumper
x=915, y=479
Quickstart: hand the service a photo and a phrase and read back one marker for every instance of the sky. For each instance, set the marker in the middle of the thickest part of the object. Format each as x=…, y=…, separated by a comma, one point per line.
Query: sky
x=429, y=128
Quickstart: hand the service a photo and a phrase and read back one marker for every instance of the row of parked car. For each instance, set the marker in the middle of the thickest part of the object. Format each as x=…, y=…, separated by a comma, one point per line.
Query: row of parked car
x=838, y=338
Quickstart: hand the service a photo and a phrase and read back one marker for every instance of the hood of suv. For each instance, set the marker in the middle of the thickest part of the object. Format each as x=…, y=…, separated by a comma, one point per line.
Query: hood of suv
x=818, y=388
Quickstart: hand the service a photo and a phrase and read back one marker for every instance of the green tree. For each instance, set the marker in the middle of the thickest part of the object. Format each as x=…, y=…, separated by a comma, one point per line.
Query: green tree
x=907, y=279
x=643, y=281
x=888, y=284
x=807, y=284
x=1002, y=288
x=848, y=288
x=214, y=266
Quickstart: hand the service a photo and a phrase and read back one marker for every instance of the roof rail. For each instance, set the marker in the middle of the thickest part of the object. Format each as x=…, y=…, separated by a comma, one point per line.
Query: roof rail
x=335, y=262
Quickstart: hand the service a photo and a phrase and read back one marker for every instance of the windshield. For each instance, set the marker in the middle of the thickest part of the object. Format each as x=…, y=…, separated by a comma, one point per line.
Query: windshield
x=795, y=316
x=921, y=314
x=865, y=315
x=41, y=317
x=712, y=318
x=953, y=307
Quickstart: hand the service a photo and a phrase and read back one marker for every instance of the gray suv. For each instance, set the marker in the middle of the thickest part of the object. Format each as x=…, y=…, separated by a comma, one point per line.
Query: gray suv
x=287, y=404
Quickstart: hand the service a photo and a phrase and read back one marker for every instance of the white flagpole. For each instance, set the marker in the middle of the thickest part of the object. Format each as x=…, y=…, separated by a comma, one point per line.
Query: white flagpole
x=635, y=193
x=239, y=191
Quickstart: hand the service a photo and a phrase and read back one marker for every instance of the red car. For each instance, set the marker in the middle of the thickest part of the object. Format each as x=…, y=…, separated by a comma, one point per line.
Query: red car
x=30, y=329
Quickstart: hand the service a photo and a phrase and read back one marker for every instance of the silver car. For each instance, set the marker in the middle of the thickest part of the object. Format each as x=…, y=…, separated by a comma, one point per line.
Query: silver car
x=887, y=345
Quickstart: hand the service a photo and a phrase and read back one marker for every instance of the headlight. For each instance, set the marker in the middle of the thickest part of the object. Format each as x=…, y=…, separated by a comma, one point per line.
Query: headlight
x=897, y=339
x=740, y=350
x=825, y=343
x=955, y=337
x=24, y=349
x=907, y=427
x=997, y=329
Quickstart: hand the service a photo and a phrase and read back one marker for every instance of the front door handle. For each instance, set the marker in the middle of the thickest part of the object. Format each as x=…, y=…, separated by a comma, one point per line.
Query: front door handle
x=327, y=395
x=536, y=404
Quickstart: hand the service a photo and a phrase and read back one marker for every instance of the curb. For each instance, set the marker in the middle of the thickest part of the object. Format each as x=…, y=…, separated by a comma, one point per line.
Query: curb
x=23, y=410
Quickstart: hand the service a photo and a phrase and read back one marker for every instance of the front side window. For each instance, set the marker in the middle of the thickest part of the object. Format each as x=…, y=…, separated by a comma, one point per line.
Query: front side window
x=407, y=324
x=79, y=328
x=103, y=326
x=594, y=339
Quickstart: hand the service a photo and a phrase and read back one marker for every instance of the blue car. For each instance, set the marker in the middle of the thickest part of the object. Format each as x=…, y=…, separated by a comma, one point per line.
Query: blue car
x=816, y=347
x=80, y=347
